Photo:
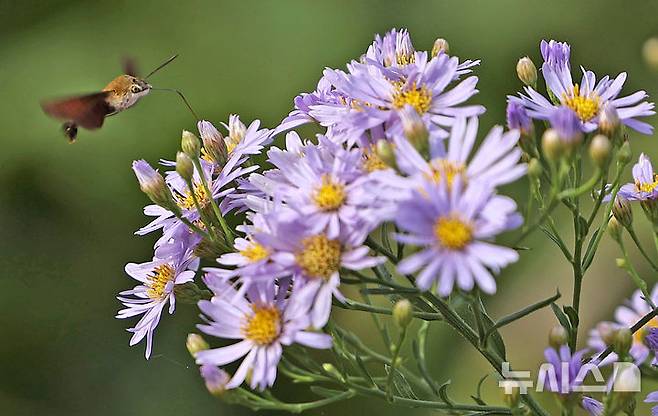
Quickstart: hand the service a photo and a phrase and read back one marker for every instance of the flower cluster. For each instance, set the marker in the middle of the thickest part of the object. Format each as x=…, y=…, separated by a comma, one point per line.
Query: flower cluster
x=396, y=192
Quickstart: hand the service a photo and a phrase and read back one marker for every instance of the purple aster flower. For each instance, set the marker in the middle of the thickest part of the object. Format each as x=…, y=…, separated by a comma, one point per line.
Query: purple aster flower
x=496, y=161
x=375, y=98
x=517, y=118
x=328, y=188
x=653, y=398
x=585, y=99
x=314, y=260
x=566, y=124
x=264, y=321
x=453, y=225
x=393, y=57
x=394, y=52
x=567, y=376
x=252, y=259
x=173, y=264
x=626, y=316
x=645, y=182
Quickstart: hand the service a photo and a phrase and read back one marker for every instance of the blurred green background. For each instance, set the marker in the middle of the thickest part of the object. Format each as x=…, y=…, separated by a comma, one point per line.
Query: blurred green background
x=67, y=212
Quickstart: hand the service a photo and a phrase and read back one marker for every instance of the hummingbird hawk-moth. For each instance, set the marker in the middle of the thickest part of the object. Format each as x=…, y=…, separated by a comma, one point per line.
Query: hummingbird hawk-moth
x=89, y=111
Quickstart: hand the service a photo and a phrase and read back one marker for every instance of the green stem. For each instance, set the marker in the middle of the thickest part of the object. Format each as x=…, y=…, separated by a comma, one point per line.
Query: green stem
x=187, y=222
x=358, y=306
x=263, y=404
x=639, y=282
x=591, y=250
x=395, y=350
x=636, y=240
x=456, y=321
x=370, y=242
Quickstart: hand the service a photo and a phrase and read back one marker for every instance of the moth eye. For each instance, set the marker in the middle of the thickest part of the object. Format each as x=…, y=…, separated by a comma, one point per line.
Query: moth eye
x=135, y=89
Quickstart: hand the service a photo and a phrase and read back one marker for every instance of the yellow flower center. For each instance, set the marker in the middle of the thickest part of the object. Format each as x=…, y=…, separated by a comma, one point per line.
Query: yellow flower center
x=231, y=143
x=186, y=201
x=255, y=252
x=263, y=326
x=647, y=186
x=158, y=280
x=453, y=233
x=419, y=98
x=320, y=256
x=445, y=170
x=585, y=107
x=371, y=160
x=206, y=156
x=638, y=336
x=404, y=59
x=330, y=195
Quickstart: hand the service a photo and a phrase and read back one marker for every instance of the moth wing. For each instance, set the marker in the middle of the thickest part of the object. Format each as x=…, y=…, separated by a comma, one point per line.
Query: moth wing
x=87, y=111
x=129, y=65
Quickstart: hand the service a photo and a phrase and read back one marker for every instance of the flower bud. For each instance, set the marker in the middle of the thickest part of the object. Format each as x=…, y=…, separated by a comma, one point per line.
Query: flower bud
x=622, y=211
x=189, y=293
x=517, y=118
x=195, y=343
x=625, y=154
x=184, y=166
x=190, y=144
x=615, y=229
x=650, y=52
x=236, y=129
x=213, y=142
x=534, y=168
x=414, y=128
x=599, y=150
x=527, y=71
x=558, y=336
x=330, y=369
x=215, y=378
x=152, y=183
x=552, y=145
x=211, y=249
x=623, y=341
x=440, y=45
x=608, y=119
x=402, y=313
x=607, y=332
x=384, y=151
x=567, y=125
x=621, y=262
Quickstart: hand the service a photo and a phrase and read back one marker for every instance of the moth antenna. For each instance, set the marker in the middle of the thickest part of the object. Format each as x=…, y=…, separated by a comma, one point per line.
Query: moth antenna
x=180, y=94
x=162, y=65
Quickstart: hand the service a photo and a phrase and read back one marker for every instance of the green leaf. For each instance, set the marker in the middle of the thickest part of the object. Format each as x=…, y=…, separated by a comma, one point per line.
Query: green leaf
x=401, y=384
x=443, y=393
x=561, y=317
x=573, y=316
x=478, y=394
x=493, y=334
